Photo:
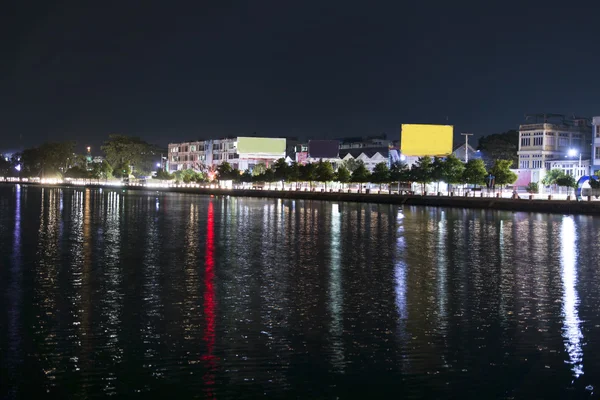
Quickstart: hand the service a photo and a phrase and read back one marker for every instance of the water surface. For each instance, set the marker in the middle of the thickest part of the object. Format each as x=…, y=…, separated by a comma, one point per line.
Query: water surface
x=142, y=294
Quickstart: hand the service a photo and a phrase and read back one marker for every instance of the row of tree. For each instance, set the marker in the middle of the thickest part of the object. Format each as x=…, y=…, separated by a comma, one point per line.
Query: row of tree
x=124, y=155
x=426, y=170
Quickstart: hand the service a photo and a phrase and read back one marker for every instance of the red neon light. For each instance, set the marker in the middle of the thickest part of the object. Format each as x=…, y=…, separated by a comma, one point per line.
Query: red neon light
x=209, y=305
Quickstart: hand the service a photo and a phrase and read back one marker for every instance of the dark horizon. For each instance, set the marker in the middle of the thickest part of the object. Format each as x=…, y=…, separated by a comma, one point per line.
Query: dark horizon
x=313, y=71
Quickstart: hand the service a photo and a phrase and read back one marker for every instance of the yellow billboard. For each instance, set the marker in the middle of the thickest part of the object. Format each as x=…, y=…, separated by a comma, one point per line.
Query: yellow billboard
x=261, y=145
x=426, y=140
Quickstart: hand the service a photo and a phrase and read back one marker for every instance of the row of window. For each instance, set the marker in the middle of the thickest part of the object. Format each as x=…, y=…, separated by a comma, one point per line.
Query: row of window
x=201, y=157
x=207, y=147
x=550, y=141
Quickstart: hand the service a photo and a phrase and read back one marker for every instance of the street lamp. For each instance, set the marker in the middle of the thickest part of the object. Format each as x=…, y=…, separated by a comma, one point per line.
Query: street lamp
x=573, y=153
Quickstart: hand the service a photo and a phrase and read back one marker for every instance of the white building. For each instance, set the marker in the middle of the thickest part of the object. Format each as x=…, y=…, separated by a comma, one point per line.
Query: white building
x=241, y=152
x=371, y=156
x=596, y=144
x=554, y=142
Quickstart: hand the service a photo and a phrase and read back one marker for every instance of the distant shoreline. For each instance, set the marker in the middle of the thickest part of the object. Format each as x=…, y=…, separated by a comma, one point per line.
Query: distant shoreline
x=488, y=203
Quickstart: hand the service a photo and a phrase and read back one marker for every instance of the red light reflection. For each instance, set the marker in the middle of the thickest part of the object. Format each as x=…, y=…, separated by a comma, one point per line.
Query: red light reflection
x=209, y=305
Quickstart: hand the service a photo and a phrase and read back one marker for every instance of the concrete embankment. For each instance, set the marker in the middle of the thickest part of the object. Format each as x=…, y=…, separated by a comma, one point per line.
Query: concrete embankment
x=491, y=203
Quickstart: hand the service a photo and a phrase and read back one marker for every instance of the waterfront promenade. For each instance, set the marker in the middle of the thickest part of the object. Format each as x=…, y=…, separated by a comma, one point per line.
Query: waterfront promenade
x=561, y=204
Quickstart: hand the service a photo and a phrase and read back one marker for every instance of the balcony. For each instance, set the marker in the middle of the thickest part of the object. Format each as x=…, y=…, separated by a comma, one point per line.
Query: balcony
x=559, y=127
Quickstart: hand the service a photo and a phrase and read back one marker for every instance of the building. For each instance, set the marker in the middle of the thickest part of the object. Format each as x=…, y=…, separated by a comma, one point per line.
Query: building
x=554, y=141
x=595, y=145
x=372, y=150
x=371, y=156
x=462, y=154
x=241, y=152
x=324, y=150
x=366, y=142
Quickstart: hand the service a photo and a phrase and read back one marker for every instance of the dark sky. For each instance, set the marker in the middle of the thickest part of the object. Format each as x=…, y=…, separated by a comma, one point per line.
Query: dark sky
x=169, y=71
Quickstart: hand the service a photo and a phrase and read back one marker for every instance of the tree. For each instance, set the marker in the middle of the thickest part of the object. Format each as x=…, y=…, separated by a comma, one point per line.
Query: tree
x=189, y=176
x=269, y=176
x=552, y=176
x=533, y=188
x=474, y=173
x=453, y=169
x=437, y=171
x=123, y=150
x=399, y=172
x=422, y=171
x=246, y=176
x=294, y=173
x=381, y=174
x=259, y=169
x=236, y=175
x=308, y=173
x=499, y=146
x=50, y=159
x=101, y=170
x=122, y=170
x=77, y=172
x=224, y=171
x=5, y=166
x=360, y=175
x=163, y=175
x=342, y=175
x=324, y=172
x=502, y=173
x=567, y=181
x=282, y=170
x=351, y=164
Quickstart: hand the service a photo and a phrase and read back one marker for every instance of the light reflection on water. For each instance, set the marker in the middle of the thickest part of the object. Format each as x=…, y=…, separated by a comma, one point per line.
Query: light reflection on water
x=571, y=329
x=124, y=293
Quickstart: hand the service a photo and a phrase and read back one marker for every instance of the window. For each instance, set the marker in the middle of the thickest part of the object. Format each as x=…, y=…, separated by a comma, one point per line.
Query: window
x=550, y=140
x=538, y=141
x=524, y=164
x=536, y=164
x=562, y=141
x=597, y=152
x=525, y=142
x=193, y=148
x=597, y=130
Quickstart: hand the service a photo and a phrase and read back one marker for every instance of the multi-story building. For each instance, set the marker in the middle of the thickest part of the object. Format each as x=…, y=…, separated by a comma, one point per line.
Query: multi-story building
x=553, y=141
x=596, y=144
x=241, y=152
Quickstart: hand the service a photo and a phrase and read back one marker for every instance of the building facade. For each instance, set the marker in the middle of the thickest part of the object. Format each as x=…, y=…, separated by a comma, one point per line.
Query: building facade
x=595, y=144
x=554, y=141
x=241, y=152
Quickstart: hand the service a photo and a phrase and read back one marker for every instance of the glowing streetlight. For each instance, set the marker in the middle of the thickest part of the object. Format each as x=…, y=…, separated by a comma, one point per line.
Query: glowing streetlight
x=573, y=153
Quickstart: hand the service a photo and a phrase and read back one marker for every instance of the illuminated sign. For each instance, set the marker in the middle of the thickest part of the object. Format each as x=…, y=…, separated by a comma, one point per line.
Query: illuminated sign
x=426, y=140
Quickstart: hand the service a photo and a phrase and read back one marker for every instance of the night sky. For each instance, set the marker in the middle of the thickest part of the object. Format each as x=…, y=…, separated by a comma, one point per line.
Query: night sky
x=169, y=71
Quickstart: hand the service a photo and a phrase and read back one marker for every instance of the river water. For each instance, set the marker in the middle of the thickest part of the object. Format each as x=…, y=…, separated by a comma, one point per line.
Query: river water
x=146, y=295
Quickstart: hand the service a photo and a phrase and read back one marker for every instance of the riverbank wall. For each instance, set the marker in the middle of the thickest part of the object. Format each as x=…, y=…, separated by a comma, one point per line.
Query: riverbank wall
x=491, y=203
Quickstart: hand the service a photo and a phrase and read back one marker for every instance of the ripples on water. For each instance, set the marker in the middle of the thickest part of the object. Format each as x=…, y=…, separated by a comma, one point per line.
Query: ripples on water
x=141, y=294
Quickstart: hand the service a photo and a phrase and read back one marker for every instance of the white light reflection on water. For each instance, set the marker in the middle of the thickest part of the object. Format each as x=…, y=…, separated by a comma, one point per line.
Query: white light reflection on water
x=572, y=324
x=335, y=289
x=400, y=272
x=441, y=270
x=14, y=292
